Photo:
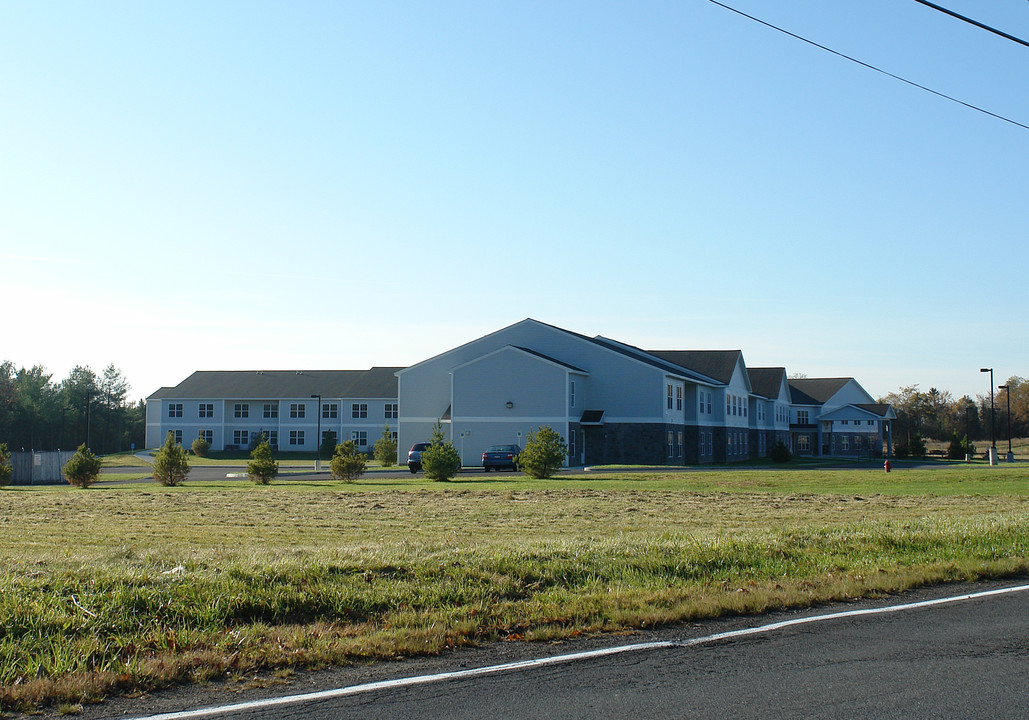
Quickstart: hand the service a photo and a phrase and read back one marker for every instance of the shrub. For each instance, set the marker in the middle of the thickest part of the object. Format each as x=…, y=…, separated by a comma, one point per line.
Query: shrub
x=83, y=469
x=262, y=467
x=6, y=470
x=544, y=453
x=956, y=449
x=440, y=460
x=201, y=447
x=780, y=453
x=385, y=450
x=328, y=445
x=917, y=446
x=171, y=466
x=347, y=463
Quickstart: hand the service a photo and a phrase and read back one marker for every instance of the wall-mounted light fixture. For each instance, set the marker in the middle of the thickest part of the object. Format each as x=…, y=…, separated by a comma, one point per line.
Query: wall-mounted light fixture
x=510, y=404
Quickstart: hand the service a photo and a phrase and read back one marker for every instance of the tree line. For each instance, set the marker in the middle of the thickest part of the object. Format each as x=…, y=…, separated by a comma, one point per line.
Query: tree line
x=37, y=413
x=937, y=415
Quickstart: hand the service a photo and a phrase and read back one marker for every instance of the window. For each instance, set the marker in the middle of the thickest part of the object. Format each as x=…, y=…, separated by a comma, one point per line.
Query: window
x=845, y=442
x=296, y=437
x=206, y=435
x=178, y=436
x=207, y=410
x=359, y=410
x=297, y=410
x=360, y=437
x=669, y=405
x=571, y=443
x=728, y=405
x=844, y=422
x=709, y=411
x=870, y=422
x=392, y=411
x=678, y=444
x=678, y=397
x=671, y=437
x=271, y=410
x=330, y=411
x=802, y=418
x=241, y=437
x=571, y=393
x=175, y=410
x=241, y=410
x=273, y=438
x=803, y=443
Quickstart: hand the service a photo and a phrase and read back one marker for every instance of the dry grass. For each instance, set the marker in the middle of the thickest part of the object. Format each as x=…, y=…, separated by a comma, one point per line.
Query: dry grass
x=121, y=589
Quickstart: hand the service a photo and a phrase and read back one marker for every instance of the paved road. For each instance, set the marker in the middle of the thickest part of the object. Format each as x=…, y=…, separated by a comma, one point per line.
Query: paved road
x=964, y=659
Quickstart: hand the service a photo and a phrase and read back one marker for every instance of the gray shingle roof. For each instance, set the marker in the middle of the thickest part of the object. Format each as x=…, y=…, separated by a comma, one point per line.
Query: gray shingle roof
x=766, y=381
x=378, y=382
x=815, y=391
x=716, y=364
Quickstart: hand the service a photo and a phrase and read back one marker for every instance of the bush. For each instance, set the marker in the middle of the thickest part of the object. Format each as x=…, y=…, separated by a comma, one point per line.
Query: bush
x=901, y=450
x=347, y=463
x=83, y=469
x=917, y=446
x=328, y=446
x=956, y=449
x=385, y=450
x=440, y=461
x=545, y=451
x=6, y=469
x=171, y=466
x=201, y=447
x=262, y=467
x=780, y=453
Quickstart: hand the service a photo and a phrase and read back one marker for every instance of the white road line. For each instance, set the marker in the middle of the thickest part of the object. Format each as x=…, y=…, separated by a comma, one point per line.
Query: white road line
x=558, y=659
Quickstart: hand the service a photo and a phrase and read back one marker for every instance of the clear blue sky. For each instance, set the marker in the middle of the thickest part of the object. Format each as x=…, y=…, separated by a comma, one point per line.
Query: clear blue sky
x=266, y=185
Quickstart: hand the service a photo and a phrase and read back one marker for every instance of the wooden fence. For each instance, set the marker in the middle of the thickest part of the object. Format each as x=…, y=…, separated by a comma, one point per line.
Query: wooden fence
x=39, y=468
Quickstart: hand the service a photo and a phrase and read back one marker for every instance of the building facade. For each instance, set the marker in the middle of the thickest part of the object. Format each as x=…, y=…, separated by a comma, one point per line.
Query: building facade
x=613, y=403
x=230, y=409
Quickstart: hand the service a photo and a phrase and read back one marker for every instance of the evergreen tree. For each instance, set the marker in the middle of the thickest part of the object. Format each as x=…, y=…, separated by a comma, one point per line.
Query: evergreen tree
x=385, y=450
x=262, y=467
x=5, y=465
x=440, y=460
x=347, y=463
x=83, y=469
x=544, y=453
x=171, y=466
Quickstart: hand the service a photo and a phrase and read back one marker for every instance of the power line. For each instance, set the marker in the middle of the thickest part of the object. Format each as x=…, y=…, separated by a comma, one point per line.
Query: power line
x=871, y=67
x=978, y=24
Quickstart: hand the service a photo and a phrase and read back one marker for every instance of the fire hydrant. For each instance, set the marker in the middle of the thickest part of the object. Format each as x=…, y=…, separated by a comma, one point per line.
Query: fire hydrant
x=888, y=465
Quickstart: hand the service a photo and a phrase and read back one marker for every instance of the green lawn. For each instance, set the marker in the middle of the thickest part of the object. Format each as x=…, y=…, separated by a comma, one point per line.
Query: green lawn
x=128, y=587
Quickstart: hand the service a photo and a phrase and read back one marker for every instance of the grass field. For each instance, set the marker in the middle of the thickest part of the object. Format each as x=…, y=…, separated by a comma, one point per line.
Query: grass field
x=130, y=587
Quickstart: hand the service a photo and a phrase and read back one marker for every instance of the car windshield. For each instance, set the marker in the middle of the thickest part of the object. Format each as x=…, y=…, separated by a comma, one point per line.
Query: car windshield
x=501, y=448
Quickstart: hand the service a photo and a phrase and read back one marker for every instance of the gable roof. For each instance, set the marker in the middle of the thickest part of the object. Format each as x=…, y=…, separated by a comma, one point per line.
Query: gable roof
x=815, y=391
x=378, y=382
x=627, y=351
x=766, y=381
x=717, y=364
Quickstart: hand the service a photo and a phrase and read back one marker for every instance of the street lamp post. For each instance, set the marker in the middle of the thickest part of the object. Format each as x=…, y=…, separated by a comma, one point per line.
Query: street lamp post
x=1007, y=395
x=993, y=420
x=318, y=437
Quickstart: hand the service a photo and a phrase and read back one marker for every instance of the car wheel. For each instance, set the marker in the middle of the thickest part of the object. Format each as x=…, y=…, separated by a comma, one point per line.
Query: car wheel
x=412, y=469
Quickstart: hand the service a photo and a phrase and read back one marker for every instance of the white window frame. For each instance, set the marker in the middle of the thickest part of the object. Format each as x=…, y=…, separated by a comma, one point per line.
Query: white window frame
x=359, y=411
x=271, y=410
x=206, y=410
x=297, y=411
x=241, y=410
